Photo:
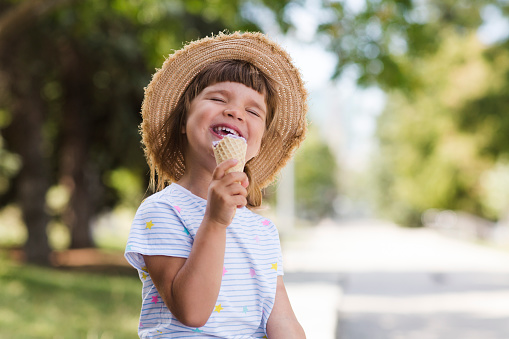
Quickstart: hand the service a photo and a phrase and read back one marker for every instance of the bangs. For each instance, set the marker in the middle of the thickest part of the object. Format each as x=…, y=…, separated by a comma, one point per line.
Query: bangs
x=238, y=71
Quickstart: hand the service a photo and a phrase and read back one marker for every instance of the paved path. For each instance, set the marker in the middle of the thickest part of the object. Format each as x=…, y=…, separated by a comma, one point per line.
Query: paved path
x=370, y=280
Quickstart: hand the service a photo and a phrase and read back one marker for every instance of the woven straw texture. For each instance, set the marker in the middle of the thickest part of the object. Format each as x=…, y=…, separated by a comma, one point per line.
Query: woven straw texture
x=169, y=83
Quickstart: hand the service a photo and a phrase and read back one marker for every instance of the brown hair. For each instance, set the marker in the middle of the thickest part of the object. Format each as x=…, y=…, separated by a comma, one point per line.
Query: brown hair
x=221, y=71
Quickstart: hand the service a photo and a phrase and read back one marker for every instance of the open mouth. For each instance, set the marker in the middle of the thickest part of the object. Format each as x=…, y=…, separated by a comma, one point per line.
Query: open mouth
x=223, y=131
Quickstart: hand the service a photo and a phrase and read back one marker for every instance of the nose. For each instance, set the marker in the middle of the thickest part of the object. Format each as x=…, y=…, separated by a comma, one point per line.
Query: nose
x=233, y=113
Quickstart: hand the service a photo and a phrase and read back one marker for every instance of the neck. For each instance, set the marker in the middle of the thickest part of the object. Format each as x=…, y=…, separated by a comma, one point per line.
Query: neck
x=196, y=183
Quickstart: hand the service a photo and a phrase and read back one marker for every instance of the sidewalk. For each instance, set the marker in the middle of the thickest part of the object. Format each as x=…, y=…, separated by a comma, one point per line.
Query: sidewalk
x=372, y=280
x=312, y=283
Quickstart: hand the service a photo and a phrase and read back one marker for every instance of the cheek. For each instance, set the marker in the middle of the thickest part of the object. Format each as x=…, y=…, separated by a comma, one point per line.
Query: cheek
x=261, y=132
x=254, y=147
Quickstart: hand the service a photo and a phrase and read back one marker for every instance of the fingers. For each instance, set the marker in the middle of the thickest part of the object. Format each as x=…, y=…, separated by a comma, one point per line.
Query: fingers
x=245, y=182
x=224, y=197
x=222, y=168
x=236, y=189
x=230, y=188
x=232, y=195
x=237, y=194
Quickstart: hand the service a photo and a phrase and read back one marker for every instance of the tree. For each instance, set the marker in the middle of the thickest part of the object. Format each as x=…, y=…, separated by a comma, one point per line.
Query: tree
x=73, y=74
x=426, y=160
x=385, y=39
x=22, y=81
x=445, y=123
x=315, y=178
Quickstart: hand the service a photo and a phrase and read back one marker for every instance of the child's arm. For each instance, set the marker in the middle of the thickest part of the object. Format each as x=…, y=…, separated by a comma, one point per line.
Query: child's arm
x=282, y=322
x=190, y=287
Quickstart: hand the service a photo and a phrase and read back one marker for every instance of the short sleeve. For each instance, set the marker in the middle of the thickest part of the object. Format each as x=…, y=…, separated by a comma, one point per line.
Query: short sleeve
x=280, y=270
x=157, y=229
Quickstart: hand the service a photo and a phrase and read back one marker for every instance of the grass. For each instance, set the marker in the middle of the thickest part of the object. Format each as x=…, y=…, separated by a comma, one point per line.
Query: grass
x=38, y=302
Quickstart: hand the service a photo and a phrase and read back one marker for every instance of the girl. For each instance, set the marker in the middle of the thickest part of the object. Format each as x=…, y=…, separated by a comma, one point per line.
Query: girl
x=210, y=266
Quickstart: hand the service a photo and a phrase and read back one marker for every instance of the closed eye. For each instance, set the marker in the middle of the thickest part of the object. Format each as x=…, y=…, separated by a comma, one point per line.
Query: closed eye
x=218, y=99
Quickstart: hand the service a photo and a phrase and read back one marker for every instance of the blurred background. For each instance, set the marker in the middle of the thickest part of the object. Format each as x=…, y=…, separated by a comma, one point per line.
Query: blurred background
x=394, y=214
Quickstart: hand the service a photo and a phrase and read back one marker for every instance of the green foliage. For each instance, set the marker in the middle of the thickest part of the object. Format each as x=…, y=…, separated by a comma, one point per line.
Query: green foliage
x=10, y=164
x=445, y=125
x=376, y=37
x=49, y=303
x=486, y=114
x=315, y=173
x=427, y=160
x=83, y=65
x=128, y=184
x=494, y=190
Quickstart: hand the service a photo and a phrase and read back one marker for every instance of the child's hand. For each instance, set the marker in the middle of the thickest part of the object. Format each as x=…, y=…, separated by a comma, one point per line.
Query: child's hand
x=226, y=193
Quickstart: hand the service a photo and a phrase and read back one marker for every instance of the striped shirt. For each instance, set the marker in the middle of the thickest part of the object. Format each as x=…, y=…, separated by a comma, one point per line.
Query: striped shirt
x=166, y=224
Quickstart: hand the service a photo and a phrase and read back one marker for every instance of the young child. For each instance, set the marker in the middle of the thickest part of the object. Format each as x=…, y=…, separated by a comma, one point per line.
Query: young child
x=210, y=266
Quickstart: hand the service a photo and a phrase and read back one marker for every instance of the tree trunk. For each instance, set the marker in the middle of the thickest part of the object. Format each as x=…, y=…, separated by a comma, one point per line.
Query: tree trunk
x=24, y=135
x=74, y=162
x=74, y=154
x=25, y=138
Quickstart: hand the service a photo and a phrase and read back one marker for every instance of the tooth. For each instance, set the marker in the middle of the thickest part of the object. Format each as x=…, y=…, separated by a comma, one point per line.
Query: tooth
x=227, y=130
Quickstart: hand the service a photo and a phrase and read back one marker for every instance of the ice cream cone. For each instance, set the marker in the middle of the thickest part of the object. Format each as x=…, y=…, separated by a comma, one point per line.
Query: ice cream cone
x=231, y=148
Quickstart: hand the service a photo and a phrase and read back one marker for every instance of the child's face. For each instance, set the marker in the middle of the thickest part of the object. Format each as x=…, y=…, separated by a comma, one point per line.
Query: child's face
x=219, y=110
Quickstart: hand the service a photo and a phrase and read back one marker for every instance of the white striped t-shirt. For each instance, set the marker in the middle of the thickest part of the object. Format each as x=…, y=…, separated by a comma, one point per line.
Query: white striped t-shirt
x=166, y=224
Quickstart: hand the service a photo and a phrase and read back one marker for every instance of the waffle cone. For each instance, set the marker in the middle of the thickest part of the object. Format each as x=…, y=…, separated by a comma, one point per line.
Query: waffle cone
x=231, y=148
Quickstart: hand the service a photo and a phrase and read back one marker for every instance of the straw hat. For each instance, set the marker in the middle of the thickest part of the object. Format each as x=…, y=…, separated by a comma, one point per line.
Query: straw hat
x=170, y=82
